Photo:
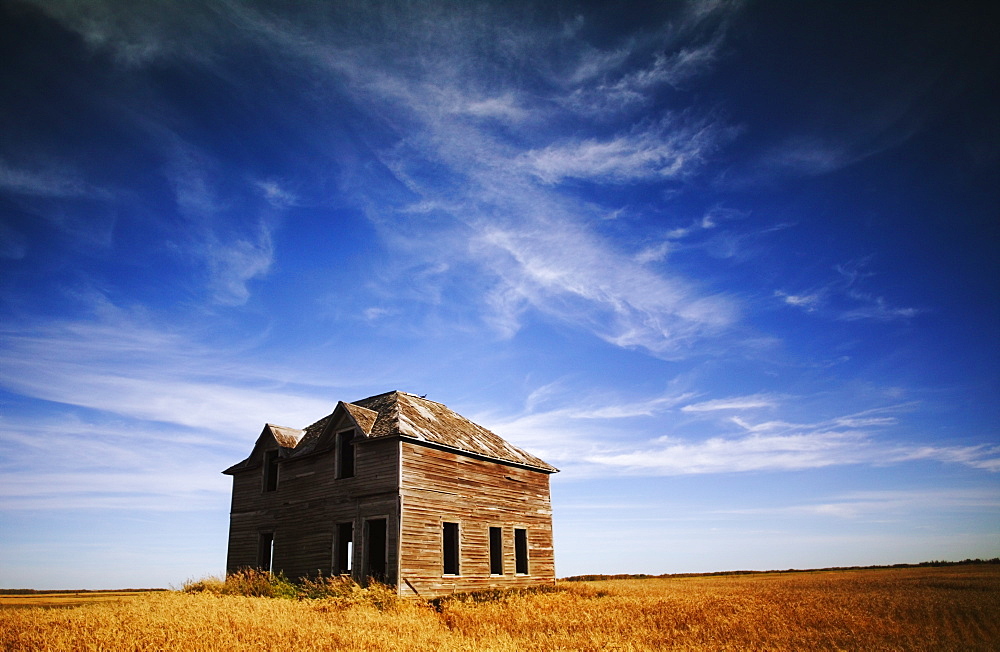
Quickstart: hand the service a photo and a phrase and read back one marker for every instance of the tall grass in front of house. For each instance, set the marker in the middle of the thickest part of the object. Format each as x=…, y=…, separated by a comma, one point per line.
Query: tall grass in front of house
x=254, y=583
x=954, y=608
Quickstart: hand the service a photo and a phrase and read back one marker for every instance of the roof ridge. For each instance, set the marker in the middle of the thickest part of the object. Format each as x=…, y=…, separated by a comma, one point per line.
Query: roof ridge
x=402, y=414
x=424, y=398
x=368, y=398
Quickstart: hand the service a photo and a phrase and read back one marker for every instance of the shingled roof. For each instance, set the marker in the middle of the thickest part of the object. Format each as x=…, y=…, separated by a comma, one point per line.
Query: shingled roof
x=398, y=414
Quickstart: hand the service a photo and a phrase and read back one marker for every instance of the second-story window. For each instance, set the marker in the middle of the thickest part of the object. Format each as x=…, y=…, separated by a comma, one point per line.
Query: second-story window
x=345, y=454
x=270, y=470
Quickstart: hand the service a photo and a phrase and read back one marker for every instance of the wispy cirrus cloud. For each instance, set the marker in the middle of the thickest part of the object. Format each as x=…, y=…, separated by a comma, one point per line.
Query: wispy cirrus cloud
x=666, y=151
x=231, y=249
x=121, y=363
x=493, y=184
x=141, y=34
x=612, y=81
x=785, y=452
x=101, y=462
x=893, y=504
x=844, y=297
x=778, y=444
x=753, y=402
x=595, y=435
x=232, y=265
x=473, y=123
x=567, y=272
x=52, y=181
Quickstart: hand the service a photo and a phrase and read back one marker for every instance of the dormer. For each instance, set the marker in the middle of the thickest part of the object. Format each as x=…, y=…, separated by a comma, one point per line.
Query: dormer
x=274, y=444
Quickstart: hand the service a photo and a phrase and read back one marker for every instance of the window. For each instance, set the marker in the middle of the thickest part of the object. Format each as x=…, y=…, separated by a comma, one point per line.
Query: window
x=496, y=551
x=345, y=454
x=450, y=548
x=520, y=551
x=270, y=470
x=343, y=549
x=265, y=551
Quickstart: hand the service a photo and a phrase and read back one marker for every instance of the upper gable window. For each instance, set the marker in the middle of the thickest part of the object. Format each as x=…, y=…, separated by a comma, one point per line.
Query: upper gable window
x=345, y=454
x=270, y=470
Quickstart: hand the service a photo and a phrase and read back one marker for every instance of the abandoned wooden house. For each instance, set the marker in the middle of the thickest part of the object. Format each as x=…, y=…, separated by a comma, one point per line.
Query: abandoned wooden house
x=397, y=488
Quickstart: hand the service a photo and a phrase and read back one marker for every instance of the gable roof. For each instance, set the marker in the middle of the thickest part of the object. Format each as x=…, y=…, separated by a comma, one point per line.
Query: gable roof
x=286, y=438
x=417, y=418
x=398, y=414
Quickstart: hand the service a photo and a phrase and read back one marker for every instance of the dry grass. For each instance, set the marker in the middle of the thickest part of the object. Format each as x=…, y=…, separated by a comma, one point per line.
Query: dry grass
x=952, y=608
x=65, y=598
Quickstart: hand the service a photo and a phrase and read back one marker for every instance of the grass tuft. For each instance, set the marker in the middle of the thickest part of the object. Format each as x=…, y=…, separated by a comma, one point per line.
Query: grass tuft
x=338, y=591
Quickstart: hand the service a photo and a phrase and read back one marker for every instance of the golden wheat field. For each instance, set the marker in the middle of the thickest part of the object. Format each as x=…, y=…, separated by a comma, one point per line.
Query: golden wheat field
x=948, y=608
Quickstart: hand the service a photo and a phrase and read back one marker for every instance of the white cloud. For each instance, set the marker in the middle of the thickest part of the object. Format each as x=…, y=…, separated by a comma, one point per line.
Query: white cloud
x=654, y=254
x=843, y=299
x=53, y=181
x=232, y=249
x=667, y=151
x=807, y=302
x=877, y=309
x=563, y=270
x=471, y=129
x=668, y=456
x=983, y=456
x=141, y=33
x=785, y=452
x=506, y=107
x=234, y=264
x=882, y=504
x=621, y=80
x=121, y=365
x=755, y=401
x=62, y=461
x=277, y=195
x=593, y=436
x=647, y=407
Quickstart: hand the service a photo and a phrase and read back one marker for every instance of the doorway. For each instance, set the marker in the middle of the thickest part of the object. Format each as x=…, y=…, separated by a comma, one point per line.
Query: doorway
x=375, y=549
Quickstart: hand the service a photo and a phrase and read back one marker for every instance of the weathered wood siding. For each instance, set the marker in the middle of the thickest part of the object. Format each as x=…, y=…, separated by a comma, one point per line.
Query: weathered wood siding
x=440, y=486
x=309, y=502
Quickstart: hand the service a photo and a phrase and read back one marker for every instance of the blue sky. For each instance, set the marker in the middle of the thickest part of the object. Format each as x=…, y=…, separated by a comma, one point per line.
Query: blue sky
x=732, y=267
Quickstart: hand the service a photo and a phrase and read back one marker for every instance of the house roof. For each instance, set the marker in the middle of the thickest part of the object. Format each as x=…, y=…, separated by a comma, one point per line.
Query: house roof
x=398, y=414
x=286, y=437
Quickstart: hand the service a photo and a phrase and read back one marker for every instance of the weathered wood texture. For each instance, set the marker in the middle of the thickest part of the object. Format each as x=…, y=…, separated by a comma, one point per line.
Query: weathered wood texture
x=408, y=480
x=441, y=486
x=309, y=502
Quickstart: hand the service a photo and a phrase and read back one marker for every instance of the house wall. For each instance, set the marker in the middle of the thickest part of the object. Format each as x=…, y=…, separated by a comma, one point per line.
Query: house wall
x=307, y=506
x=440, y=486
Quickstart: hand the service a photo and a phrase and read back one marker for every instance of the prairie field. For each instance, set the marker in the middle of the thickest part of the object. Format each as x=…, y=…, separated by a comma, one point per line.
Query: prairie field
x=930, y=608
x=65, y=598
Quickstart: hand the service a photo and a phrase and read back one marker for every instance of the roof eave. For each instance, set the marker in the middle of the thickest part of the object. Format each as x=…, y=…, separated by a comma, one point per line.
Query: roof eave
x=549, y=469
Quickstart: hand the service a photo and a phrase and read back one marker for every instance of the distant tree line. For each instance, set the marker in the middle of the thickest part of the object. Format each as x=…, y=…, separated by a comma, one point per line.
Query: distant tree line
x=644, y=576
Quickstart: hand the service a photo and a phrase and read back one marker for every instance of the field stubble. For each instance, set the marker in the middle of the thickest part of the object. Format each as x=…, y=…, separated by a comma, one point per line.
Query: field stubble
x=953, y=608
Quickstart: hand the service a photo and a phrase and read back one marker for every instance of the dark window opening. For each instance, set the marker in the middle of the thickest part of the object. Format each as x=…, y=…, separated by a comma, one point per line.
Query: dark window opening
x=450, y=548
x=270, y=470
x=265, y=551
x=520, y=551
x=343, y=549
x=345, y=454
x=375, y=549
x=496, y=551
